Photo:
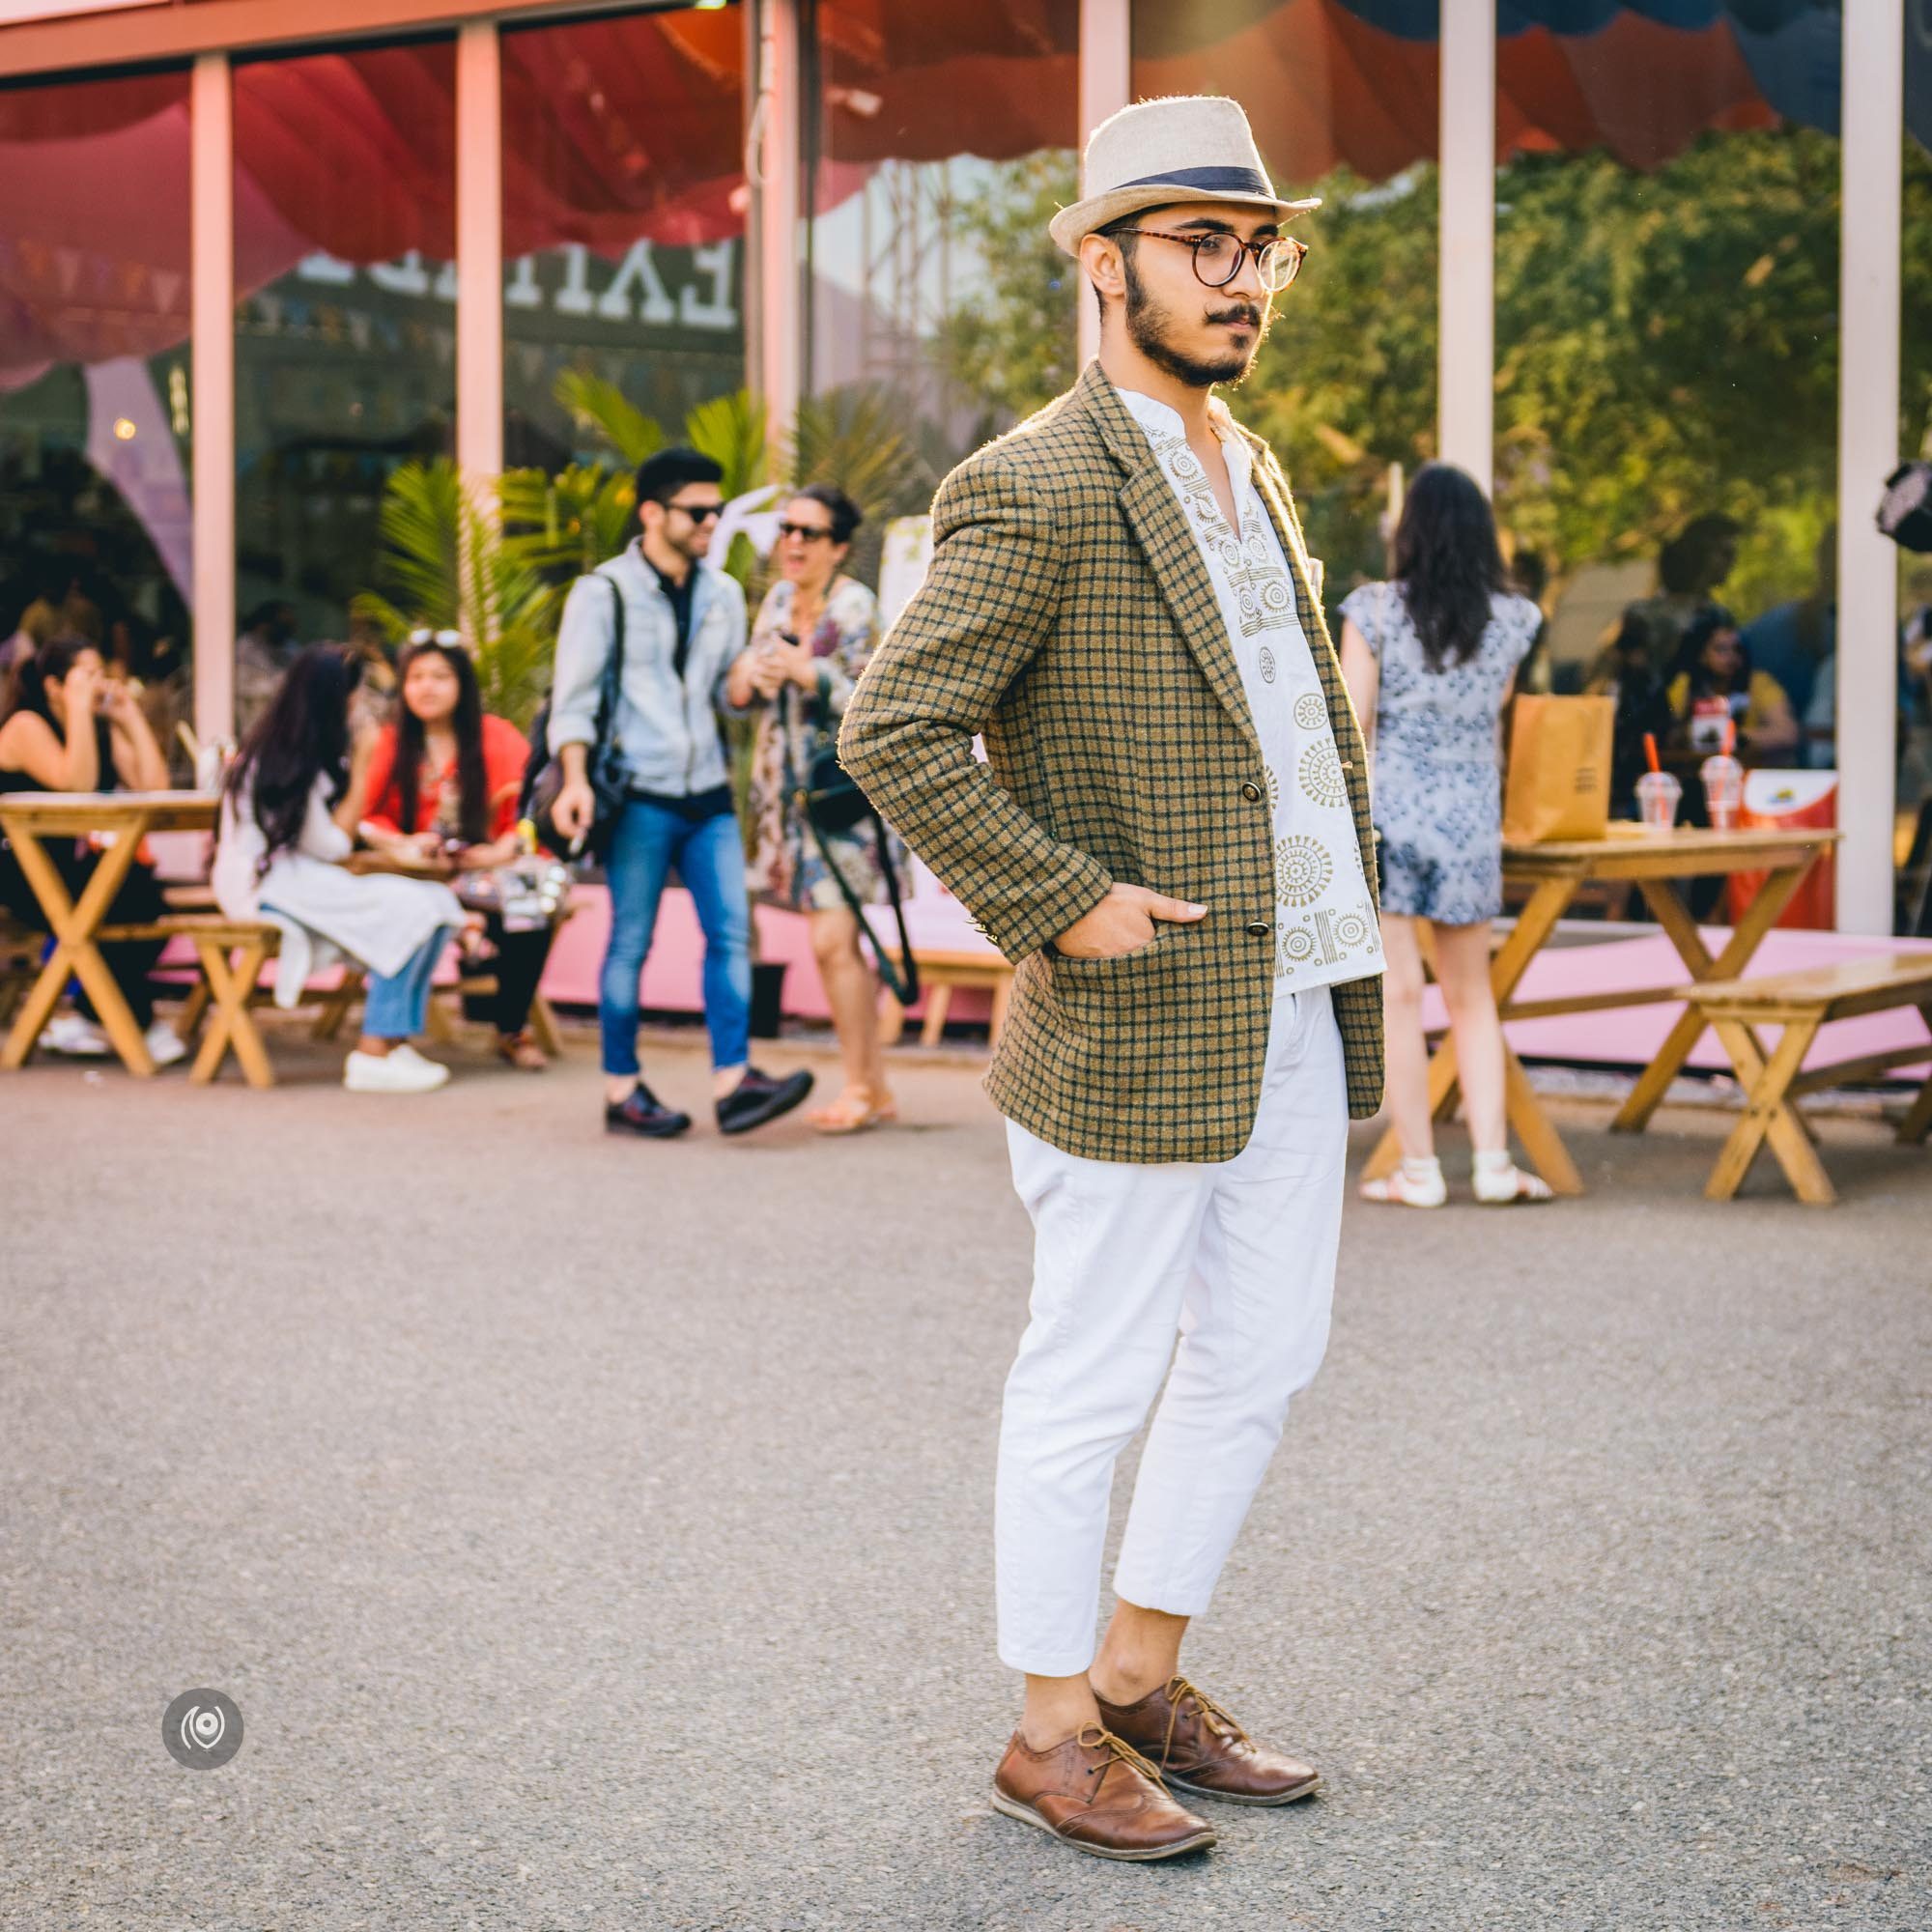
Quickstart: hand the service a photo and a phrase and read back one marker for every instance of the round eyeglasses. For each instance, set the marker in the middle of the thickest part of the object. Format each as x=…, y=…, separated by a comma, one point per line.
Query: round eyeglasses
x=1218, y=257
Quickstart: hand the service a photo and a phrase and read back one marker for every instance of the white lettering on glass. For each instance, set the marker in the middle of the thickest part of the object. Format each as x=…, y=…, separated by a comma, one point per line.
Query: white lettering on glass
x=325, y=267
x=574, y=297
x=715, y=310
x=637, y=267
x=523, y=290
x=407, y=277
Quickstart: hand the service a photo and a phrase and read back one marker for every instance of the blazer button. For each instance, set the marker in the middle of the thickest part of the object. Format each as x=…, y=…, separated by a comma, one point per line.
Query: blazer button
x=1260, y=929
x=1250, y=791
x=1347, y=764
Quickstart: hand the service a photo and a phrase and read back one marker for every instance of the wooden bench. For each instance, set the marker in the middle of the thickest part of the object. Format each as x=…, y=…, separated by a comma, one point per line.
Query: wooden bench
x=1801, y=1003
x=20, y=950
x=231, y=953
x=940, y=972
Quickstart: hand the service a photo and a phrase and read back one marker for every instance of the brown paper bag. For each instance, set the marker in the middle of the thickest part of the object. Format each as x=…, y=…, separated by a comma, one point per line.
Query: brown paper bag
x=1559, y=769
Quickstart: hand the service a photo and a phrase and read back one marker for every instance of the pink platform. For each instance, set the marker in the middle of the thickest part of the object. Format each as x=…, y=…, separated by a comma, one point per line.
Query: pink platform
x=1626, y=1036
x=1631, y=1035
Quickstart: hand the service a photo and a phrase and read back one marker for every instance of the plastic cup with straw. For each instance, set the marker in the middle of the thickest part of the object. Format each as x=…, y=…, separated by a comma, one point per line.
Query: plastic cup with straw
x=1723, y=782
x=1657, y=793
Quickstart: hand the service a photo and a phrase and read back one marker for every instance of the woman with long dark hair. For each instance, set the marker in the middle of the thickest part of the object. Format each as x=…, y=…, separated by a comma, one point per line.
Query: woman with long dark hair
x=1715, y=679
x=1430, y=658
x=285, y=827
x=67, y=727
x=444, y=780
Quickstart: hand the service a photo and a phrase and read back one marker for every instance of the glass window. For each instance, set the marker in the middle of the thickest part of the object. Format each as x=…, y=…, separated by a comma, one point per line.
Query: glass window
x=1345, y=385
x=345, y=353
x=623, y=221
x=1915, y=439
x=95, y=417
x=1667, y=369
x=939, y=311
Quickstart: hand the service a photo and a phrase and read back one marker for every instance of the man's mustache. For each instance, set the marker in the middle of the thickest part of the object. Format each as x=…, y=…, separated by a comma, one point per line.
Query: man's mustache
x=1242, y=312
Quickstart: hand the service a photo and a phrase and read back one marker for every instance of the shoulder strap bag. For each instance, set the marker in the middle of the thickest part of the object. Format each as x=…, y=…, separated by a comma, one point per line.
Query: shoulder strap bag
x=833, y=806
x=603, y=763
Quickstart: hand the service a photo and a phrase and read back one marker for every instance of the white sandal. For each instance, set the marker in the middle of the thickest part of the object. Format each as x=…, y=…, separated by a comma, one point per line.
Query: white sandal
x=1508, y=1185
x=1413, y=1184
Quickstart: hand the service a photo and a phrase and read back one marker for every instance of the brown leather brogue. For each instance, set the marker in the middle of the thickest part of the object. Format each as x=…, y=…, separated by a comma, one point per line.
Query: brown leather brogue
x=1098, y=1794
x=1199, y=1748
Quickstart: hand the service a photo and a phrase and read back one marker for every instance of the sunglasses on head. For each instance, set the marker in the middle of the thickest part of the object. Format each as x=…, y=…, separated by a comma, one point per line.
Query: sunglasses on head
x=803, y=532
x=698, y=513
x=423, y=635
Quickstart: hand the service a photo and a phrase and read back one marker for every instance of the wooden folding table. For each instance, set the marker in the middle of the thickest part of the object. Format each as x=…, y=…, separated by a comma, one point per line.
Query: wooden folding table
x=1652, y=860
x=27, y=820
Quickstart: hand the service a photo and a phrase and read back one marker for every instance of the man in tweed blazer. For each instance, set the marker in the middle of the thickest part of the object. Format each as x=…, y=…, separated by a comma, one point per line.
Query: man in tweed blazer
x=1170, y=840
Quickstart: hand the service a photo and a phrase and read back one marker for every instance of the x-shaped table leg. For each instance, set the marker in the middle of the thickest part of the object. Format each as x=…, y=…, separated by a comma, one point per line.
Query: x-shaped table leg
x=1534, y=924
x=74, y=924
x=1674, y=916
x=1768, y=1114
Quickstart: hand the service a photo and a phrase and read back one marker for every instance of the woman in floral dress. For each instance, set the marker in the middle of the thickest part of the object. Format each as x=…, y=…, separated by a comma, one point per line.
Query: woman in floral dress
x=1430, y=658
x=814, y=632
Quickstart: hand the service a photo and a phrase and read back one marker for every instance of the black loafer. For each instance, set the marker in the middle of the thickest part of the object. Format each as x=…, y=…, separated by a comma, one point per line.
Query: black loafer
x=758, y=1098
x=644, y=1114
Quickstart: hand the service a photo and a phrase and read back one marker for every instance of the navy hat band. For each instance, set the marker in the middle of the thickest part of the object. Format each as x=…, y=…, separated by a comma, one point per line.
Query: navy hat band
x=1210, y=180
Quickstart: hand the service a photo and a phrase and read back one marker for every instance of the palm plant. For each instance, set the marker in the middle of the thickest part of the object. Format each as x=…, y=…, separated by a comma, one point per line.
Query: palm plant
x=443, y=565
x=498, y=564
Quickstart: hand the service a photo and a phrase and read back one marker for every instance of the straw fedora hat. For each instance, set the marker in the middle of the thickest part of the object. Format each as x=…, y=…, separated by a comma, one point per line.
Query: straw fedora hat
x=1187, y=147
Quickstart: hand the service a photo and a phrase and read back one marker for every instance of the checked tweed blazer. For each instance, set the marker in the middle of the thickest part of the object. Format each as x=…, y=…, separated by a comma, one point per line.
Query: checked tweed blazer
x=1069, y=617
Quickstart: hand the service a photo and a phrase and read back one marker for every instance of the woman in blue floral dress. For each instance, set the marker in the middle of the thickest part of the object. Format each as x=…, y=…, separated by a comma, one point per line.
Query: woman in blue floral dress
x=814, y=633
x=1430, y=658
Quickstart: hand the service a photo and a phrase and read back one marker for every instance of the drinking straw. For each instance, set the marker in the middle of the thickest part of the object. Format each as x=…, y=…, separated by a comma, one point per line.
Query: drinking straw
x=1650, y=751
x=1730, y=735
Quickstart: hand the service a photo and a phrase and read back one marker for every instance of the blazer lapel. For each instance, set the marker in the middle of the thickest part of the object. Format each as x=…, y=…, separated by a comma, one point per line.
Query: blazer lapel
x=1157, y=521
x=1160, y=527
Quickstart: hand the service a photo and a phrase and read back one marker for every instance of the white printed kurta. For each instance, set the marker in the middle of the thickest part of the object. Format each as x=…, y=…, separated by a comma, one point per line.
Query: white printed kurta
x=1325, y=928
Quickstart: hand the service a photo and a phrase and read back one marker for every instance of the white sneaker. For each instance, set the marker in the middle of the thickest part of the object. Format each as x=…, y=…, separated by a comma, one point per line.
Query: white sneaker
x=165, y=1045
x=75, y=1035
x=400, y=1070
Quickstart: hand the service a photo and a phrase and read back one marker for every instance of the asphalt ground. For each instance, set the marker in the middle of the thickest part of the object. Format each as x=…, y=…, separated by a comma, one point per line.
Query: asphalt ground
x=595, y=1534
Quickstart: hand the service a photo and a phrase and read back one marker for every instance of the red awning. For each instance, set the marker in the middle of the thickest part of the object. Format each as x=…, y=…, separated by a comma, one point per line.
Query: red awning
x=621, y=129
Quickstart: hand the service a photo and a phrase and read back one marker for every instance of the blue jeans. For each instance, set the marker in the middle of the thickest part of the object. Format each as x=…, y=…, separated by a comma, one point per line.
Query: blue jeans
x=710, y=858
x=398, y=1008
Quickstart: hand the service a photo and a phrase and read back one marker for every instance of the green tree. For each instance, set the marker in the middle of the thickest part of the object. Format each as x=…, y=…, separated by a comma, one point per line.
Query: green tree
x=1667, y=343
x=1012, y=346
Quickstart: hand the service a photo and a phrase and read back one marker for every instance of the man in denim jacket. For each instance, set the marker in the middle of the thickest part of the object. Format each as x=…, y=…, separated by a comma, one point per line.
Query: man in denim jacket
x=684, y=626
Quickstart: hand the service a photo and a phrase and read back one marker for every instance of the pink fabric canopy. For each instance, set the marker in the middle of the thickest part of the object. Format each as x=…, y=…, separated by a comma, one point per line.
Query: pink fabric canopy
x=629, y=129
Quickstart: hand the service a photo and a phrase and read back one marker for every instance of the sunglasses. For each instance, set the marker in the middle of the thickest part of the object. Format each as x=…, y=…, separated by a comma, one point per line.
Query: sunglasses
x=423, y=635
x=803, y=532
x=700, y=513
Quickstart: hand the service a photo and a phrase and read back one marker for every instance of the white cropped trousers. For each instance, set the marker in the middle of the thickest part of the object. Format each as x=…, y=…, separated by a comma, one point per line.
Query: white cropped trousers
x=1238, y=1259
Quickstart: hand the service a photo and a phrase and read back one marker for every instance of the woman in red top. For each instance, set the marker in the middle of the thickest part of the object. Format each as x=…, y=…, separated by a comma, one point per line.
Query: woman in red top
x=443, y=779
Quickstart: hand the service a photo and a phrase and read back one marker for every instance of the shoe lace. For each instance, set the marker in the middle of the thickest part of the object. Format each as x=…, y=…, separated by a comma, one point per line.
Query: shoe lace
x=1220, y=1722
x=1097, y=1737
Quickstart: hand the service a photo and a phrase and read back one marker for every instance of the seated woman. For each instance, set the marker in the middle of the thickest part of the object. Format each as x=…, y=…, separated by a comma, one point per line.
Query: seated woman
x=1715, y=676
x=285, y=831
x=444, y=779
x=68, y=728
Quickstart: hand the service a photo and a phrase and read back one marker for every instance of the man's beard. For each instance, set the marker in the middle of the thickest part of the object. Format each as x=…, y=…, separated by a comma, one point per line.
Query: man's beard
x=1149, y=323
